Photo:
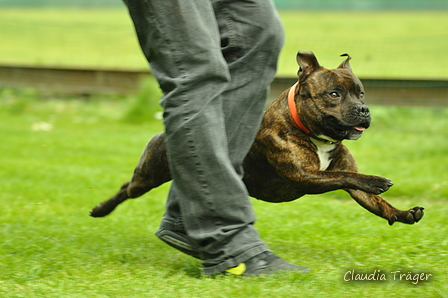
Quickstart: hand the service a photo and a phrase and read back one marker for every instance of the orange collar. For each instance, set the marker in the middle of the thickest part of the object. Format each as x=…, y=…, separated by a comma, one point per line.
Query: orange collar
x=293, y=109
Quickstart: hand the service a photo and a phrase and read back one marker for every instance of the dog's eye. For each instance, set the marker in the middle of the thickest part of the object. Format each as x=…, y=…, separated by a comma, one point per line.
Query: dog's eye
x=361, y=95
x=334, y=95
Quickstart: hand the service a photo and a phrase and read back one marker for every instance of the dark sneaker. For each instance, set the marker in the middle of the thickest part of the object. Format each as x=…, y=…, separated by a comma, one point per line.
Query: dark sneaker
x=264, y=264
x=179, y=241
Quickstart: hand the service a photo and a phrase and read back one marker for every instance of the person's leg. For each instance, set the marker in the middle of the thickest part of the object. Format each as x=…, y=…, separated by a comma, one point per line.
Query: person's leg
x=251, y=39
x=182, y=40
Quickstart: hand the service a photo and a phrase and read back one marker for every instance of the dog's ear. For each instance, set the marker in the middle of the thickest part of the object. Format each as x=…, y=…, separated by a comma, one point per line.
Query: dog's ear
x=308, y=63
x=346, y=64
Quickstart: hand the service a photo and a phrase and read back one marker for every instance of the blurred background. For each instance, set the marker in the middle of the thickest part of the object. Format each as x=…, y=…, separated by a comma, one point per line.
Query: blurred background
x=391, y=42
x=406, y=38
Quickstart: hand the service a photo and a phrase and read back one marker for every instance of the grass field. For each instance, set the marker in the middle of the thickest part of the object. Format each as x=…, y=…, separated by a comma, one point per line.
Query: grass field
x=61, y=156
x=399, y=44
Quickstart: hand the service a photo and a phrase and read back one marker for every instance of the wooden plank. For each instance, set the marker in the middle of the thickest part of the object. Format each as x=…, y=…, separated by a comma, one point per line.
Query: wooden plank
x=53, y=80
x=71, y=81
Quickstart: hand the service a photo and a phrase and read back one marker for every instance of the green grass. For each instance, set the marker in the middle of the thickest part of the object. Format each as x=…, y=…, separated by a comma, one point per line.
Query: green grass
x=399, y=44
x=61, y=156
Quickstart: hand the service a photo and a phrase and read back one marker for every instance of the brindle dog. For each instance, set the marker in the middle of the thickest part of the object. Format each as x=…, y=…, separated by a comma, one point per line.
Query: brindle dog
x=298, y=149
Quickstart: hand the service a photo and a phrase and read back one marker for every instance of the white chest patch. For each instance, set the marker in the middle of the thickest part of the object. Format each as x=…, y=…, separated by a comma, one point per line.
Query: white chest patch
x=323, y=151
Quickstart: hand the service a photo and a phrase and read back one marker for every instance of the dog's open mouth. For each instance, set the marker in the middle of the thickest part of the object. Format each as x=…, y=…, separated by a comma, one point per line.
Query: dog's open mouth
x=359, y=128
x=340, y=130
x=356, y=132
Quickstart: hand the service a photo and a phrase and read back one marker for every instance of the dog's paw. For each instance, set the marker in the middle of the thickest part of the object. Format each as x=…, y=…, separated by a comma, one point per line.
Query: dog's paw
x=377, y=185
x=409, y=217
x=100, y=210
x=414, y=215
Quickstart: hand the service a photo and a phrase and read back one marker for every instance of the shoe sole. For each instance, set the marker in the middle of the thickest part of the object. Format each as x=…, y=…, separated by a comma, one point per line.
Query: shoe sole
x=179, y=242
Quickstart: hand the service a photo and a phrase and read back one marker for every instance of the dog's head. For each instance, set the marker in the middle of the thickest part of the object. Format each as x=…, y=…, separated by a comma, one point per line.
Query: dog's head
x=330, y=102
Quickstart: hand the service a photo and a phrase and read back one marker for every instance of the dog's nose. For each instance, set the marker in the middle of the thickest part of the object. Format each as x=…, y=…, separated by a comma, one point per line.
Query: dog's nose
x=363, y=110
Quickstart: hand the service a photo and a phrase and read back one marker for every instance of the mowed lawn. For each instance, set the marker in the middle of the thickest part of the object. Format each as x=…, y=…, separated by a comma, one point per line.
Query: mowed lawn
x=60, y=156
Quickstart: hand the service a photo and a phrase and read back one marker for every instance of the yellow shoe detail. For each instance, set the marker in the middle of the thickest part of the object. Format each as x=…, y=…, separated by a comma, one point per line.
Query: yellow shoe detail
x=238, y=270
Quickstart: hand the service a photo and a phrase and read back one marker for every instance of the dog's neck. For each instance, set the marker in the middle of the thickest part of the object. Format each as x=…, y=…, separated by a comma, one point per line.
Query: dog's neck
x=295, y=116
x=293, y=109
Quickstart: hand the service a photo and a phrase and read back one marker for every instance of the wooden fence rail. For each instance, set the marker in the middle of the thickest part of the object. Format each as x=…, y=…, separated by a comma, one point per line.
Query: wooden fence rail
x=53, y=80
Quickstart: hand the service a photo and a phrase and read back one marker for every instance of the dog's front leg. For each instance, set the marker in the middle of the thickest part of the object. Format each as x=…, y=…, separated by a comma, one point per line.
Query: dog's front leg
x=379, y=206
x=300, y=169
x=374, y=202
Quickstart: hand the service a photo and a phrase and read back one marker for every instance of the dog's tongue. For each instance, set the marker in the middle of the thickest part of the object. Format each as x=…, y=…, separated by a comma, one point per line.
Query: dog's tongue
x=359, y=128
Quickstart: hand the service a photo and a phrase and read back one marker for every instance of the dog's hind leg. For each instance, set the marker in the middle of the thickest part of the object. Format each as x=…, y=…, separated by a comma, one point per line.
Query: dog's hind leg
x=106, y=207
x=151, y=171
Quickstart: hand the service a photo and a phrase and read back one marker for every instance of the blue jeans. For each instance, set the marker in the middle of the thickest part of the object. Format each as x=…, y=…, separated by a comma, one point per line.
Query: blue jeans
x=214, y=61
